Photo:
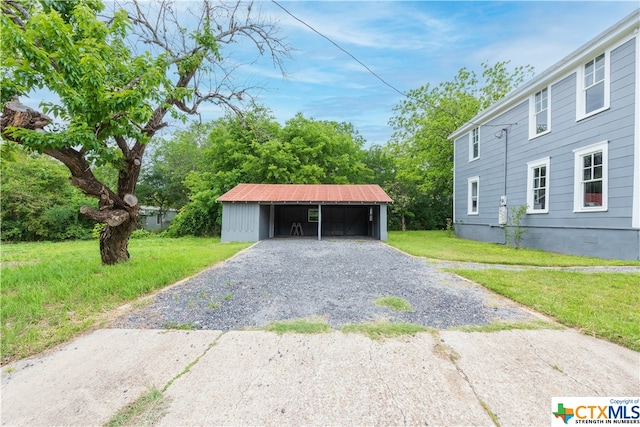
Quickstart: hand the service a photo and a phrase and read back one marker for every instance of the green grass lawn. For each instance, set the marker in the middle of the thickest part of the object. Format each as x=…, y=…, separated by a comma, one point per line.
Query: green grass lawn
x=441, y=245
x=53, y=291
x=606, y=305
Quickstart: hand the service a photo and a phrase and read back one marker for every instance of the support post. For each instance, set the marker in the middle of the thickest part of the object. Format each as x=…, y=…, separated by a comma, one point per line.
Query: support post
x=319, y=222
x=272, y=216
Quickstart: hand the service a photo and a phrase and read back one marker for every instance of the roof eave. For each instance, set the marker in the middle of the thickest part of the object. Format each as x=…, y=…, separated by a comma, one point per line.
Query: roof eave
x=615, y=33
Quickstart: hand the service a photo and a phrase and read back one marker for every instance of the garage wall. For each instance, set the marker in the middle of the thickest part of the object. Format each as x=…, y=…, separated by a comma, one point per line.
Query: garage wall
x=285, y=215
x=382, y=223
x=240, y=222
x=265, y=213
x=345, y=221
x=250, y=222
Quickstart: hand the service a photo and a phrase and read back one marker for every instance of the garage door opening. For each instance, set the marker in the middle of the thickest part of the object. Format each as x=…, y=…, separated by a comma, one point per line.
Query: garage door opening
x=336, y=221
x=252, y=212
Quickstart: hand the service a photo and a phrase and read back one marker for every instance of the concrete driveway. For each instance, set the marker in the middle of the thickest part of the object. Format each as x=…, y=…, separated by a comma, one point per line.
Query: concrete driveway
x=209, y=377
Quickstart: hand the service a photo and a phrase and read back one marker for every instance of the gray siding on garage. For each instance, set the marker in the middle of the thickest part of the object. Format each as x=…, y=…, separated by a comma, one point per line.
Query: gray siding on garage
x=241, y=222
x=607, y=234
x=382, y=228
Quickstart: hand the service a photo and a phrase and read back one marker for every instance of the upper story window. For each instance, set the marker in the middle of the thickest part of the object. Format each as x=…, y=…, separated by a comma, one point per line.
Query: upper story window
x=538, y=186
x=591, y=178
x=540, y=114
x=473, y=193
x=474, y=144
x=593, y=86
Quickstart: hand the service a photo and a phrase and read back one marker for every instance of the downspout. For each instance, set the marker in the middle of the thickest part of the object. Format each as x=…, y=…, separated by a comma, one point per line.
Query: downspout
x=506, y=149
x=503, y=210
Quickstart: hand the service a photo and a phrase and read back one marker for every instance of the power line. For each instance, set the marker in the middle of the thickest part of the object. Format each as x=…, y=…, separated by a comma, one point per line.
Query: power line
x=435, y=107
x=341, y=48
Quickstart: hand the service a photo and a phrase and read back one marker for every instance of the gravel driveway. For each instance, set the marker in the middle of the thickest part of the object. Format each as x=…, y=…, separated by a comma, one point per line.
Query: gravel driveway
x=339, y=280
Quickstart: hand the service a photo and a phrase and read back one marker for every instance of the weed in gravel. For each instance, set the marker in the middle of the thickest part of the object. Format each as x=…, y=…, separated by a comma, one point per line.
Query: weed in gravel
x=202, y=295
x=214, y=304
x=227, y=297
x=228, y=283
x=180, y=326
x=299, y=326
x=384, y=329
x=394, y=303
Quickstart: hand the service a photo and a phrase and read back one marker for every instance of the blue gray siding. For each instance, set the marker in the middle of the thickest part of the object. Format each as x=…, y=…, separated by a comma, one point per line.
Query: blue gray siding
x=240, y=222
x=607, y=234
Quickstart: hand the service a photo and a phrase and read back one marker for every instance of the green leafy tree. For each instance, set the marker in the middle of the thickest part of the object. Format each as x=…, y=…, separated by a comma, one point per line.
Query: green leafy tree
x=172, y=159
x=38, y=203
x=254, y=148
x=322, y=152
x=423, y=122
x=112, y=100
x=381, y=164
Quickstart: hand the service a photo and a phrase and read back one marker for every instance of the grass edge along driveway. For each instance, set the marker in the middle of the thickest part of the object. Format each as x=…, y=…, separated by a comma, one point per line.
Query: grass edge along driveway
x=52, y=292
x=602, y=304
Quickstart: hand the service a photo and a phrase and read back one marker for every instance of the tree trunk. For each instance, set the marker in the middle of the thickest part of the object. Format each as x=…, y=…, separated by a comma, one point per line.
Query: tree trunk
x=403, y=225
x=114, y=242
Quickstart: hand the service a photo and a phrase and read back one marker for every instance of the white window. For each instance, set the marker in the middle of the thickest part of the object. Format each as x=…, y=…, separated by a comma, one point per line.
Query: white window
x=474, y=144
x=593, y=86
x=591, y=178
x=538, y=186
x=473, y=190
x=540, y=113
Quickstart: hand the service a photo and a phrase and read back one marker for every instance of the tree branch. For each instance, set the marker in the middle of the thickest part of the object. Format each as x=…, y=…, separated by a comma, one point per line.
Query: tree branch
x=10, y=6
x=122, y=144
x=111, y=217
x=17, y=115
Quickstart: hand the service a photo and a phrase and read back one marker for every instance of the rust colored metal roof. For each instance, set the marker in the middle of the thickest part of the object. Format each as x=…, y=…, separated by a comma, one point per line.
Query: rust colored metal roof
x=307, y=193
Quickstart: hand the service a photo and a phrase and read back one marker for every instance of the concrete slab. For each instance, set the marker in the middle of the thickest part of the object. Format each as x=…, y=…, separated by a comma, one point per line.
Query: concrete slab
x=88, y=380
x=517, y=372
x=259, y=378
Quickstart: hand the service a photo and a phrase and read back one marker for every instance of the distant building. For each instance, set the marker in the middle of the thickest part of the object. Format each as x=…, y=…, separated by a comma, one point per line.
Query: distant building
x=252, y=212
x=566, y=144
x=153, y=218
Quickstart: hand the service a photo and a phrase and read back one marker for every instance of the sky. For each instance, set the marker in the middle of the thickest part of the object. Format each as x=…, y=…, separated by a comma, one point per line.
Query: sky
x=410, y=44
x=406, y=43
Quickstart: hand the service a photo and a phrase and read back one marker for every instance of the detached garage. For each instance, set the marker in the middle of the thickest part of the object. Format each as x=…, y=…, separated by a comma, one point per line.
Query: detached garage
x=252, y=212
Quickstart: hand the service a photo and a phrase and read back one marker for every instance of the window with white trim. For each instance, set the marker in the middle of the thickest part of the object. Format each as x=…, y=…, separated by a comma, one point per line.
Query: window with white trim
x=540, y=113
x=473, y=191
x=474, y=144
x=538, y=186
x=591, y=178
x=593, y=86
